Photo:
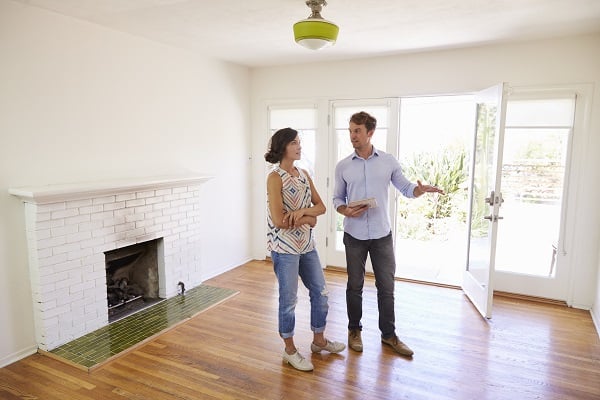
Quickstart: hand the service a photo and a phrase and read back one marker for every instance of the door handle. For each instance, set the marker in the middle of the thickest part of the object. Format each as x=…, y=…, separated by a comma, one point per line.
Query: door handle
x=494, y=198
x=490, y=200
x=493, y=217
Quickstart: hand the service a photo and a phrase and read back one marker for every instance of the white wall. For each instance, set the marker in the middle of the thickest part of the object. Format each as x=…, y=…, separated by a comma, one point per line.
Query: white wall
x=550, y=62
x=80, y=103
x=596, y=307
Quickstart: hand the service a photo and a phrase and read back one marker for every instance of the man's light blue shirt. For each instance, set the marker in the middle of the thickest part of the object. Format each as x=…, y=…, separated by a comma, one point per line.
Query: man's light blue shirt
x=357, y=179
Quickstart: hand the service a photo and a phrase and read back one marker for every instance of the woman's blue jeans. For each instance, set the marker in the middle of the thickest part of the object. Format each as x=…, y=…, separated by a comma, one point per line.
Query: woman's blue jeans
x=307, y=266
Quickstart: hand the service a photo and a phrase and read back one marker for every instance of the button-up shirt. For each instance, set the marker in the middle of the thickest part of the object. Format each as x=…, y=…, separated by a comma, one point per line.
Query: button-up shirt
x=357, y=179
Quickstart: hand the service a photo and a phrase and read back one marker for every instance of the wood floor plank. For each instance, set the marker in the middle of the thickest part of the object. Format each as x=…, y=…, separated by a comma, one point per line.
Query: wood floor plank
x=528, y=350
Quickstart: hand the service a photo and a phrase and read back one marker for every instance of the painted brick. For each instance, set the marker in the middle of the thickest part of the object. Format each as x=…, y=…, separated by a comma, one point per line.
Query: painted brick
x=70, y=239
x=42, y=208
x=46, y=216
x=114, y=206
x=162, y=192
x=143, y=209
x=160, y=206
x=79, y=237
x=89, y=226
x=53, y=223
x=77, y=219
x=43, y=234
x=65, y=213
x=67, y=248
x=124, y=212
x=92, y=243
x=52, y=260
x=135, y=203
x=104, y=200
x=67, y=265
x=143, y=195
x=124, y=227
x=102, y=215
x=91, y=209
x=172, y=197
x=134, y=233
x=154, y=229
x=103, y=231
x=74, y=255
x=79, y=203
x=134, y=217
x=125, y=196
x=64, y=230
x=154, y=200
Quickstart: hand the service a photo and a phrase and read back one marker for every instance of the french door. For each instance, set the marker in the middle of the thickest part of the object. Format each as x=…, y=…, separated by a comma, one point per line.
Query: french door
x=385, y=138
x=518, y=207
x=518, y=221
x=485, y=198
x=531, y=255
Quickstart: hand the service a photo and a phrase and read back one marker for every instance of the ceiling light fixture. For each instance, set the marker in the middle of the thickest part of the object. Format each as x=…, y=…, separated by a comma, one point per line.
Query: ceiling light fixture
x=315, y=32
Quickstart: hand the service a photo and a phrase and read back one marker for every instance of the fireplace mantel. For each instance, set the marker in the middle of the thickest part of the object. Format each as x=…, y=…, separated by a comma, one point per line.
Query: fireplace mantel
x=75, y=191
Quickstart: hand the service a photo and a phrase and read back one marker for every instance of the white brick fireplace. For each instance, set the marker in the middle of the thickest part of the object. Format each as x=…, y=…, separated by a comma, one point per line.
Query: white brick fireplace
x=69, y=227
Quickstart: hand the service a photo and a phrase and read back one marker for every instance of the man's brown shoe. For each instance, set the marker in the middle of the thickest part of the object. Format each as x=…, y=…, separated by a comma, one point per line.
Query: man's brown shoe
x=398, y=346
x=354, y=340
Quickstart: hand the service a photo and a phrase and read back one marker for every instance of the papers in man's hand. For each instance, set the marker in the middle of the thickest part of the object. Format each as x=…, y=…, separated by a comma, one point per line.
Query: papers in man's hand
x=370, y=202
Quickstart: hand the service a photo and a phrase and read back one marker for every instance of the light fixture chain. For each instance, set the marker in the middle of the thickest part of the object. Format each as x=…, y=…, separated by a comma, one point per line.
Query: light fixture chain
x=316, y=6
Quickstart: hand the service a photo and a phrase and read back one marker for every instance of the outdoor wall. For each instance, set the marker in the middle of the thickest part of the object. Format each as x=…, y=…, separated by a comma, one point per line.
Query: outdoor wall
x=81, y=103
x=573, y=60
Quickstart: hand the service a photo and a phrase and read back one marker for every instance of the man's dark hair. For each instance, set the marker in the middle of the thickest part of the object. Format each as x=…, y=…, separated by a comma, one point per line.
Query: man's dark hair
x=363, y=118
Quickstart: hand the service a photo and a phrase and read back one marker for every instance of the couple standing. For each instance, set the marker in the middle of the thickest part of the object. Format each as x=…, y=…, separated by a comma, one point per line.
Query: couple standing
x=293, y=207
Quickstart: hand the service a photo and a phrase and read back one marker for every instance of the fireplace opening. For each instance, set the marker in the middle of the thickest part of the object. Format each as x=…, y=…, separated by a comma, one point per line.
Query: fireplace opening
x=131, y=279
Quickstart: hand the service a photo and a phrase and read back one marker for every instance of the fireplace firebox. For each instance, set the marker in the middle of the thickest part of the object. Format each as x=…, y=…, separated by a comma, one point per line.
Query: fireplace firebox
x=132, y=279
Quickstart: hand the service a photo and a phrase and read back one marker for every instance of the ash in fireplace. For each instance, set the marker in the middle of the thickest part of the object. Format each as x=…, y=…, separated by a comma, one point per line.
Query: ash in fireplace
x=121, y=291
x=131, y=279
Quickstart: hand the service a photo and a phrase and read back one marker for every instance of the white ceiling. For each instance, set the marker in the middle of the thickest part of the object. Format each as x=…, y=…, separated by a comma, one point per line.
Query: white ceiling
x=259, y=32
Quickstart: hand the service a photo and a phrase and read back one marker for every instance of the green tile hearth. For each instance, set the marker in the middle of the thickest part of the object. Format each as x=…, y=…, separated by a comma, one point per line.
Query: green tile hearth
x=104, y=343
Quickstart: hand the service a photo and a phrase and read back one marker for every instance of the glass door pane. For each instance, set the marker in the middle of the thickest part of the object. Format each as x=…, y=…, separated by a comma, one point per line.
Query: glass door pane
x=342, y=147
x=486, y=199
x=539, y=133
x=532, y=185
x=436, y=136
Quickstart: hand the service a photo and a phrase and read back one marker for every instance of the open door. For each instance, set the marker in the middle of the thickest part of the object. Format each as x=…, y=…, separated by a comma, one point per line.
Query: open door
x=485, y=198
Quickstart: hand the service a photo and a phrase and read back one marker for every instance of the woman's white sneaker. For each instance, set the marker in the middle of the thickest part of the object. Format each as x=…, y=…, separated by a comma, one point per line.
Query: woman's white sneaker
x=297, y=361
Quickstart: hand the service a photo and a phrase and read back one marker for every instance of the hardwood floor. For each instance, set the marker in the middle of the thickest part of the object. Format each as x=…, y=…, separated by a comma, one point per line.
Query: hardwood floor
x=528, y=350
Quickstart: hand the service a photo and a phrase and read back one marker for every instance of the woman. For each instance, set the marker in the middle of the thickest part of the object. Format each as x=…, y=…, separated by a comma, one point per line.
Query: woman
x=293, y=207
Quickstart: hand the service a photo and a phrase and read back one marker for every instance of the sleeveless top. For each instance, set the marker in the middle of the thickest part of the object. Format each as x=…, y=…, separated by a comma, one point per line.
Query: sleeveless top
x=296, y=194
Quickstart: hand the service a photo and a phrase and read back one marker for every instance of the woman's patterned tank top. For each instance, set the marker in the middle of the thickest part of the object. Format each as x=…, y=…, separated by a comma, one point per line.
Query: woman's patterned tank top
x=296, y=194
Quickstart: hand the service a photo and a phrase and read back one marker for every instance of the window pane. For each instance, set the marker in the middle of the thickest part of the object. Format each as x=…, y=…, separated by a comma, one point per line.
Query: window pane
x=304, y=121
x=551, y=112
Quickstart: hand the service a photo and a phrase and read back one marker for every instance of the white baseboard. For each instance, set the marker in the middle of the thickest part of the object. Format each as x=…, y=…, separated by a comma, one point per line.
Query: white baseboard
x=11, y=358
x=596, y=320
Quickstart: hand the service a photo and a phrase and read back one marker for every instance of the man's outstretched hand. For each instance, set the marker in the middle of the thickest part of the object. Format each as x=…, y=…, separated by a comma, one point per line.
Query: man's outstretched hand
x=422, y=189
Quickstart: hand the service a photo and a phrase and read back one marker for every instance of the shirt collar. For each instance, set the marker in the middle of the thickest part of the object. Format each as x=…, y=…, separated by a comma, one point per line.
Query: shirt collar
x=373, y=154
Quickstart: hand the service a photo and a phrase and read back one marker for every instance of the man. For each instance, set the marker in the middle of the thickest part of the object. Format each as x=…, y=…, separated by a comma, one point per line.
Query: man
x=367, y=173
